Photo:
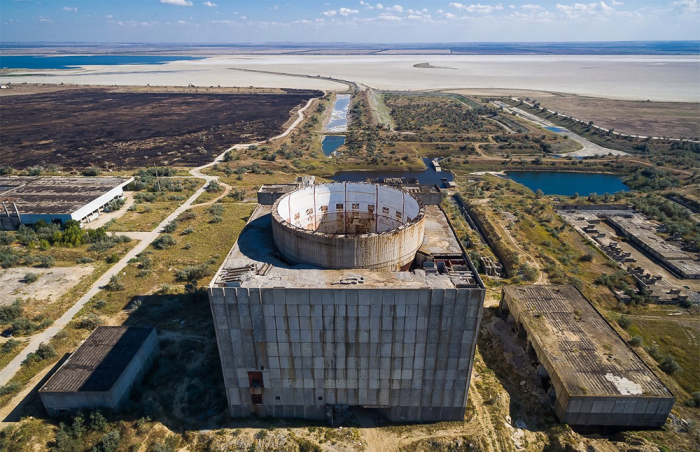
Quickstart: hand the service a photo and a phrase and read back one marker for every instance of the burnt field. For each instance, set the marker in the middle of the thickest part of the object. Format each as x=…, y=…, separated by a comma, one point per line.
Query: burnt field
x=78, y=128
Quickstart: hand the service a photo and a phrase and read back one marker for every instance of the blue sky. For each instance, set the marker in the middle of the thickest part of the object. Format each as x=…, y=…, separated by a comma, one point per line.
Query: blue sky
x=251, y=21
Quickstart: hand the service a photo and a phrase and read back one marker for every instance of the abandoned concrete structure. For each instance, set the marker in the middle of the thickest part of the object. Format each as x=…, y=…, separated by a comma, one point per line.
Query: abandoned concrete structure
x=595, y=378
x=639, y=231
x=26, y=200
x=347, y=294
x=102, y=371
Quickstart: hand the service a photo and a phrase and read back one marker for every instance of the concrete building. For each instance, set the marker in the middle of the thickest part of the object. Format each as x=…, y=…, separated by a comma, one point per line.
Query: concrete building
x=641, y=233
x=347, y=294
x=102, y=371
x=26, y=200
x=595, y=378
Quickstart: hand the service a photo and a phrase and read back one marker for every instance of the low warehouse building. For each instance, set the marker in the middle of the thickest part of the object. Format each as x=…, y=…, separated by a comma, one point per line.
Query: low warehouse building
x=26, y=200
x=595, y=377
x=102, y=371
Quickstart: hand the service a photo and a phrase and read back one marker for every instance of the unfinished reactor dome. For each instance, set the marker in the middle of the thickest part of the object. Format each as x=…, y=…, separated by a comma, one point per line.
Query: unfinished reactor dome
x=349, y=225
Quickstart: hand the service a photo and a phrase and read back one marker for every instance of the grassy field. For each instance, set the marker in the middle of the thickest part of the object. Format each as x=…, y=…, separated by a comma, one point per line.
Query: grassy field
x=150, y=208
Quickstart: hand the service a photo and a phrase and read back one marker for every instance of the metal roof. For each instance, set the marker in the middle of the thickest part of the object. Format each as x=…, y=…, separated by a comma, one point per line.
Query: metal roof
x=54, y=195
x=97, y=364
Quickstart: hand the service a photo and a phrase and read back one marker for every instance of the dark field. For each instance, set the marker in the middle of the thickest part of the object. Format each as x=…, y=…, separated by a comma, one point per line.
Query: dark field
x=105, y=128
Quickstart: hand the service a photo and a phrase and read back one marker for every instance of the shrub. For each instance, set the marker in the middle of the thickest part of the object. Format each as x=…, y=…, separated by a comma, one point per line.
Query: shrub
x=669, y=365
x=46, y=261
x=9, y=388
x=214, y=187
x=9, y=345
x=187, y=215
x=164, y=241
x=170, y=227
x=187, y=231
x=84, y=260
x=112, y=258
x=90, y=322
x=6, y=238
x=586, y=257
x=237, y=195
x=192, y=273
x=624, y=321
x=115, y=284
x=92, y=171
x=30, y=278
x=111, y=441
x=97, y=421
x=637, y=341
x=45, y=351
x=694, y=400
x=307, y=446
x=216, y=219
x=12, y=312
x=216, y=209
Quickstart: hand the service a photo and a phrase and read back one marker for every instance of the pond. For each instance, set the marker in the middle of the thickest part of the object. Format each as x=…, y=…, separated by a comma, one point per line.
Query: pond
x=339, y=117
x=74, y=62
x=567, y=183
x=331, y=143
x=428, y=176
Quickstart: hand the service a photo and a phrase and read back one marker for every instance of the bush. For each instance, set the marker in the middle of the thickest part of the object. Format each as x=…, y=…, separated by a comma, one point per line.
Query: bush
x=624, y=321
x=115, y=284
x=111, y=441
x=45, y=351
x=112, y=258
x=10, y=388
x=98, y=422
x=30, y=278
x=11, y=313
x=237, y=195
x=307, y=446
x=187, y=231
x=637, y=341
x=694, y=400
x=9, y=345
x=214, y=187
x=165, y=241
x=192, y=273
x=216, y=209
x=84, y=260
x=187, y=215
x=92, y=171
x=586, y=257
x=90, y=322
x=216, y=219
x=669, y=365
x=170, y=227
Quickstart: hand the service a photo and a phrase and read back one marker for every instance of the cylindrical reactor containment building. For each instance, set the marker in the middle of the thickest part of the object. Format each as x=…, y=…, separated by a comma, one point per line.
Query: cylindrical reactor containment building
x=349, y=225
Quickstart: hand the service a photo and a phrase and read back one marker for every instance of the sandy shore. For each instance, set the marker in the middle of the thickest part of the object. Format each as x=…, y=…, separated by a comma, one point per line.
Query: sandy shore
x=657, y=78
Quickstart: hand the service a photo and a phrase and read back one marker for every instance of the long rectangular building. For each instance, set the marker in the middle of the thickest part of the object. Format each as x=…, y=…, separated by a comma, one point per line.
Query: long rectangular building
x=26, y=200
x=597, y=379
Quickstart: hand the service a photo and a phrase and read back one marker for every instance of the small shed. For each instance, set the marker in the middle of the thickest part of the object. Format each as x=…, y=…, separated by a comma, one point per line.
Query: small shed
x=102, y=371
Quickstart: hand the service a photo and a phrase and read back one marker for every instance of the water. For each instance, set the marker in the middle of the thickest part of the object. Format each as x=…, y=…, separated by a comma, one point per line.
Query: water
x=567, y=184
x=556, y=129
x=74, y=62
x=429, y=176
x=339, y=117
x=331, y=143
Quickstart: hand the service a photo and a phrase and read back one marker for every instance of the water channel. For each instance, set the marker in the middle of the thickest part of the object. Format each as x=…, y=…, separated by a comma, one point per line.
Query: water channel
x=427, y=176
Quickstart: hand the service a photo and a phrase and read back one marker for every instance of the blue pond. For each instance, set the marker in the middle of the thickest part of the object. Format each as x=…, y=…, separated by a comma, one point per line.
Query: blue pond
x=567, y=184
x=339, y=116
x=556, y=129
x=331, y=143
x=72, y=62
x=428, y=176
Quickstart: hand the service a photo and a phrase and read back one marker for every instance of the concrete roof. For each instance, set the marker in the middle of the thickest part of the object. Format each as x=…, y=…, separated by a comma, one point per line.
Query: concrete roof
x=585, y=352
x=97, y=364
x=256, y=259
x=55, y=195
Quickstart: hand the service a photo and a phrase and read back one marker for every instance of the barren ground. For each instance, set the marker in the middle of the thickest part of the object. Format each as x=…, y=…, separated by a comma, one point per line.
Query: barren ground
x=105, y=127
x=52, y=283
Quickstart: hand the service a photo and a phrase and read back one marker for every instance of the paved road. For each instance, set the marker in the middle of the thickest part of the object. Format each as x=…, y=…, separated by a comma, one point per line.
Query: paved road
x=145, y=240
x=589, y=149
